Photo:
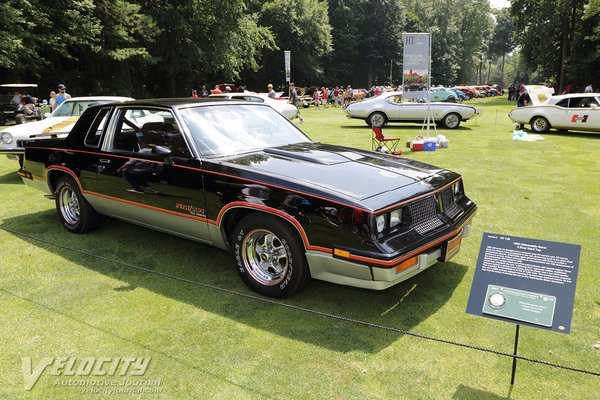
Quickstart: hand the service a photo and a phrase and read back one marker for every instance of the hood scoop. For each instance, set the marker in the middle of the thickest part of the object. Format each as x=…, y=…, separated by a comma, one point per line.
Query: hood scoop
x=308, y=154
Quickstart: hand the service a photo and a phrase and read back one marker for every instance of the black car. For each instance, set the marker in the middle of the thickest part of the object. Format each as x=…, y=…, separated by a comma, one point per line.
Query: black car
x=242, y=177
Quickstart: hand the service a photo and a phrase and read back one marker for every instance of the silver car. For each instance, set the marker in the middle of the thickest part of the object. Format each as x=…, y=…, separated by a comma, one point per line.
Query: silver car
x=388, y=107
x=286, y=109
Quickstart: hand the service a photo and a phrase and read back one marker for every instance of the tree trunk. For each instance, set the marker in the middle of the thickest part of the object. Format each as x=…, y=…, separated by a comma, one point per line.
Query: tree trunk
x=563, y=53
x=502, y=71
x=369, y=76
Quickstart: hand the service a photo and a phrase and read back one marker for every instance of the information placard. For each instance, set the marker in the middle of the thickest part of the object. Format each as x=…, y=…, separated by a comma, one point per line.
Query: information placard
x=526, y=281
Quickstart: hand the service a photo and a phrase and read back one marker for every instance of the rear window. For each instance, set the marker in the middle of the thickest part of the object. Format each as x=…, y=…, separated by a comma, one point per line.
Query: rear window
x=94, y=135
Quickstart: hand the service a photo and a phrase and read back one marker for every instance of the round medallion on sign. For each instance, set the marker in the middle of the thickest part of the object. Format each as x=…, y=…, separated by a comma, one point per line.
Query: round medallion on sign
x=497, y=300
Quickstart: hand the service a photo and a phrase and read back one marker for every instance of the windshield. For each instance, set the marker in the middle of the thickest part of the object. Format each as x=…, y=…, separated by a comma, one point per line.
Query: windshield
x=76, y=108
x=230, y=129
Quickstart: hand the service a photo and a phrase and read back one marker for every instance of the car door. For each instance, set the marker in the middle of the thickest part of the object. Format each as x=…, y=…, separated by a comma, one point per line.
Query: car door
x=146, y=173
x=583, y=113
x=395, y=109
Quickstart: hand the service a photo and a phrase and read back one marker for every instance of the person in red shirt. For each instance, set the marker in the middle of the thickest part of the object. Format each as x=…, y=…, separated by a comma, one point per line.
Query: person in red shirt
x=216, y=90
x=324, y=96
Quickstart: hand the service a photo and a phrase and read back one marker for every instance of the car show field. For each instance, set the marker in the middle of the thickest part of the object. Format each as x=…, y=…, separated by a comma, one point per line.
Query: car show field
x=125, y=290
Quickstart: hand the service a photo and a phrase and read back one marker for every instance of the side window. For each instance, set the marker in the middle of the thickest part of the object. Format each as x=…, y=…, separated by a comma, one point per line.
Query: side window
x=580, y=102
x=141, y=130
x=92, y=139
x=563, y=103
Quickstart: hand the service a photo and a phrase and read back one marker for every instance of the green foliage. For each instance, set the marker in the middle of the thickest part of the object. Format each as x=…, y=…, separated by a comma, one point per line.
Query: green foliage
x=167, y=48
x=301, y=27
x=556, y=40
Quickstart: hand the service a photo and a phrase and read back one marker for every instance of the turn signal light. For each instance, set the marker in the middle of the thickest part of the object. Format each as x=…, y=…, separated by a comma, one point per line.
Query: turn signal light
x=407, y=264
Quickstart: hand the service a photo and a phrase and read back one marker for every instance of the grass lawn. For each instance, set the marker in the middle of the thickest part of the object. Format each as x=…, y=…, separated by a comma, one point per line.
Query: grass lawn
x=207, y=344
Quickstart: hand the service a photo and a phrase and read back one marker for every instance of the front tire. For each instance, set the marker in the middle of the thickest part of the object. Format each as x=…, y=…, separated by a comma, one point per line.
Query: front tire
x=269, y=256
x=451, y=121
x=74, y=212
x=540, y=125
x=451, y=100
x=376, y=120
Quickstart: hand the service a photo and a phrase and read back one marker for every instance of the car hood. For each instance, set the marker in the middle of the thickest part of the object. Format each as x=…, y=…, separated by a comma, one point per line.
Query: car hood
x=49, y=126
x=348, y=172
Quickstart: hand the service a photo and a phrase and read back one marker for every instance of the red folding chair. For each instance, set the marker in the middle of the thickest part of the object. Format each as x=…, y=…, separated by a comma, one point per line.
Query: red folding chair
x=382, y=144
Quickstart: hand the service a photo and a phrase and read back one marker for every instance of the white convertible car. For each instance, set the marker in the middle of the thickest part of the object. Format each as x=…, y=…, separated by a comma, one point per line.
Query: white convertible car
x=577, y=111
x=57, y=124
x=388, y=107
x=284, y=108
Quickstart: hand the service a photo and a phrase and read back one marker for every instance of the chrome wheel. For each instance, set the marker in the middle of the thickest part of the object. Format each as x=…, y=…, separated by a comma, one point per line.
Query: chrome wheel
x=265, y=257
x=69, y=205
x=377, y=120
x=451, y=121
x=540, y=124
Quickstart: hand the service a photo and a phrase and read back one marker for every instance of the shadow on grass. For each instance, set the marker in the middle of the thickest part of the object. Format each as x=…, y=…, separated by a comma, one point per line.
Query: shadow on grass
x=10, y=178
x=402, y=307
x=469, y=393
x=577, y=134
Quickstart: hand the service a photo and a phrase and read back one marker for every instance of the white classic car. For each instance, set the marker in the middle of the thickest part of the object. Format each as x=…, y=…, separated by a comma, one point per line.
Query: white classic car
x=576, y=111
x=57, y=124
x=388, y=107
x=284, y=108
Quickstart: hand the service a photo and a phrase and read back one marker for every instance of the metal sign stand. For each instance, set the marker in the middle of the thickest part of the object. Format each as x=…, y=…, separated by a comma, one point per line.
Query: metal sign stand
x=514, y=365
x=429, y=118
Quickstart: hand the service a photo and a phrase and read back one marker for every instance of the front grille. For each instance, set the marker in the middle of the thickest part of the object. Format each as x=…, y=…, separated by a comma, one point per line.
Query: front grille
x=424, y=215
x=448, y=203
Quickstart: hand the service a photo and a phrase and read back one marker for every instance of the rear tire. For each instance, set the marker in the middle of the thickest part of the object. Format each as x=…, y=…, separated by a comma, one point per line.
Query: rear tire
x=540, y=125
x=269, y=256
x=376, y=120
x=74, y=212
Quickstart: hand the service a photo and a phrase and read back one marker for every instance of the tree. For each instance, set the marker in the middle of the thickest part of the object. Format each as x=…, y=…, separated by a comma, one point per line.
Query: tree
x=556, y=40
x=300, y=26
x=501, y=42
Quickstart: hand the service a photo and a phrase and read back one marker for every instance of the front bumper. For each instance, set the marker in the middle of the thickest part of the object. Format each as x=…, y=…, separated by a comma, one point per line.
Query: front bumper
x=345, y=272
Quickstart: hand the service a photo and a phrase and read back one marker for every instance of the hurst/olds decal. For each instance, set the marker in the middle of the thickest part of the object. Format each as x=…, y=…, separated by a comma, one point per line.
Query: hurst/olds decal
x=576, y=118
x=192, y=209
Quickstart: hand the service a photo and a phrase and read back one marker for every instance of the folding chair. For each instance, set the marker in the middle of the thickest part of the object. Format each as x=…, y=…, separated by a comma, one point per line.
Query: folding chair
x=382, y=144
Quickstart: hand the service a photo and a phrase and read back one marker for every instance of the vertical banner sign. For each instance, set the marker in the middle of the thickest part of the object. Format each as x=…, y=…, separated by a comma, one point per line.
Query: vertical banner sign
x=416, y=66
x=287, y=57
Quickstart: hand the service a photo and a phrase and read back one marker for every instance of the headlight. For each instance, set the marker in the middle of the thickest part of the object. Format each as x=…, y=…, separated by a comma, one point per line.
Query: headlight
x=395, y=218
x=6, y=138
x=456, y=189
x=380, y=223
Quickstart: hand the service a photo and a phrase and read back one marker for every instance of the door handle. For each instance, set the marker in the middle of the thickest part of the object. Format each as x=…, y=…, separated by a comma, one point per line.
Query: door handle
x=105, y=161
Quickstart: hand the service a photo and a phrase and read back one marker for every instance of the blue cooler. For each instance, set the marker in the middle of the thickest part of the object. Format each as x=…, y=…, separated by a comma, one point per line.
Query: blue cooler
x=430, y=144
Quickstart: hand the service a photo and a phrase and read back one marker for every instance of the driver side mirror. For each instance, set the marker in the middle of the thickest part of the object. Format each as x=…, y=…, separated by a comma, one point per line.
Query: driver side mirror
x=162, y=152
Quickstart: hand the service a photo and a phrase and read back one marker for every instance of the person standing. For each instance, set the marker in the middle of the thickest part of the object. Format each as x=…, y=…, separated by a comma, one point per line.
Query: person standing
x=271, y=93
x=324, y=96
x=523, y=100
x=52, y=100
x=216, y=90
x=568, y=89
x=203, y=91
x=294, y=100
x=62, y=95
x=588, y=89
x=195, y=94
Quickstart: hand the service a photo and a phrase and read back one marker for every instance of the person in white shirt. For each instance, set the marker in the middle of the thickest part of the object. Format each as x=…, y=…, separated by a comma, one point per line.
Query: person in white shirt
x=589, y=89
